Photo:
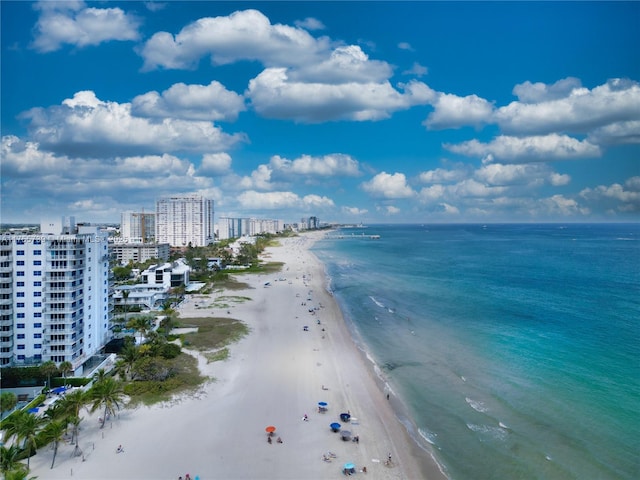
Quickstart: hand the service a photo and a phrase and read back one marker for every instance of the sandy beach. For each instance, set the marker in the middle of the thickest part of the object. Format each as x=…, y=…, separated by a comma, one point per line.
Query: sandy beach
x=273, y=376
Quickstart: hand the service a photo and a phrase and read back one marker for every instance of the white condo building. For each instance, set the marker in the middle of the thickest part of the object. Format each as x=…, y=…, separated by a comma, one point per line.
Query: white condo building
x=55, y=295
x=184, y=220
x=137, y=227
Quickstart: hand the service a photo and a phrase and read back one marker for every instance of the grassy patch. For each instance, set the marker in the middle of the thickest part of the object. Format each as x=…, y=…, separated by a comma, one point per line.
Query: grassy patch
x=186, y=379
x=213, y=333
x=217, y=356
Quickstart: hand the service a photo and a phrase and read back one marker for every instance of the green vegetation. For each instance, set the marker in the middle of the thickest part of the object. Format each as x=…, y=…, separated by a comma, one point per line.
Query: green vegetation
x=213, y=333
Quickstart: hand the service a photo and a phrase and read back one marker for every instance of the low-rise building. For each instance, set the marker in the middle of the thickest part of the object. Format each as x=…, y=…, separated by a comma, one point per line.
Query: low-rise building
x=125, y=253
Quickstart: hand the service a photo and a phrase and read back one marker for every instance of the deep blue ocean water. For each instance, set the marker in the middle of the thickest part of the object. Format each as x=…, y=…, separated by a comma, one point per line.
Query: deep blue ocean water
x=515, y=349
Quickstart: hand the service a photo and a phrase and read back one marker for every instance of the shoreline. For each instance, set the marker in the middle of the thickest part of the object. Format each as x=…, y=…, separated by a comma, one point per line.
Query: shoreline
x=273, y=376
x=419, y=449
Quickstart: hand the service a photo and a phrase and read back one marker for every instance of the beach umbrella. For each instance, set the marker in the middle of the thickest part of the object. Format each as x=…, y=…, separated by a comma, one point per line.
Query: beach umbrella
x=270, y=429
x=349, y=466
x=322, y=404
x=335, y=426
x=345, y=417
x=345, y=434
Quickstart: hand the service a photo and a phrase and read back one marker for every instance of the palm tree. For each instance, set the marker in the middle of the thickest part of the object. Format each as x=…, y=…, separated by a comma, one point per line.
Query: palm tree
x=20, y=473
x=65, y=367
x=72, y=404
x=9, y=458
x=8, y=400
x=100, y=375
x=28, y=428
x=48, y=368
x=141, y=324
x=128, y=356
x=54, y=432
x=107, y=393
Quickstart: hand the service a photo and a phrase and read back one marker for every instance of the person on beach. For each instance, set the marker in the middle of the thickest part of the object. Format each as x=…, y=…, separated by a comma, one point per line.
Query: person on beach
x=119, y=449
x=305, y=418
x=279, y=440
x=269, y=439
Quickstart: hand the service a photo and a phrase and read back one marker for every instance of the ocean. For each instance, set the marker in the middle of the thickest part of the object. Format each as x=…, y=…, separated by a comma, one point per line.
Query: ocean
x=513, y=349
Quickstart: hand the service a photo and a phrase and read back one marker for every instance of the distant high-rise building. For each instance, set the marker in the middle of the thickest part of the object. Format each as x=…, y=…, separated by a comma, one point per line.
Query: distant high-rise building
x=229, y=227
x=184, y=220
x=137, y=227
x=54, y=295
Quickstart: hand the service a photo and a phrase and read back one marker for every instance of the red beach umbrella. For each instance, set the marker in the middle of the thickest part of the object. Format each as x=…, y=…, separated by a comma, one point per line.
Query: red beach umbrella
x=270, y=429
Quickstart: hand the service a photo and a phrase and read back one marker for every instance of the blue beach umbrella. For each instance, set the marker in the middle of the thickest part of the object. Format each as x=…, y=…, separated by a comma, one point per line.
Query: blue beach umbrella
x=335, y=426
x=349, y=466
x=323, y=404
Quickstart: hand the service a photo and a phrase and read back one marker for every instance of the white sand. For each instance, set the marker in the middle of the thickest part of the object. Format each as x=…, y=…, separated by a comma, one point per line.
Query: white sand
x=273, y=377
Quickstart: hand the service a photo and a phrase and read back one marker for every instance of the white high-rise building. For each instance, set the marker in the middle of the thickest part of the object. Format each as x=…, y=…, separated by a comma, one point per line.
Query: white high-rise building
x=184, y=220
x=137, y=227
x=55, y=295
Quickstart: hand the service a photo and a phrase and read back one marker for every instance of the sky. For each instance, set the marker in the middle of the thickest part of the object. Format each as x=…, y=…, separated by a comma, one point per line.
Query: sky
x=373, y=112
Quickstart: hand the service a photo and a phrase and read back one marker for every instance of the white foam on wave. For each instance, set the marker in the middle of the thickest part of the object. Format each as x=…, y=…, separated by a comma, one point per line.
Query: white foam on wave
x=487, y=431
x=381, y=305
x=428, y=436
x=502, y=425
x=476, y=405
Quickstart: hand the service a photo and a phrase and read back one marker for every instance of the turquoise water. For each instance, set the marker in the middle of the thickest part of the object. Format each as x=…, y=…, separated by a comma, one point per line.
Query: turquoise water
x=514, y=348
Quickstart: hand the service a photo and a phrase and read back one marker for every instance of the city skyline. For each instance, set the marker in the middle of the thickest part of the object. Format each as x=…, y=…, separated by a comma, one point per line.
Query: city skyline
x=422, y=112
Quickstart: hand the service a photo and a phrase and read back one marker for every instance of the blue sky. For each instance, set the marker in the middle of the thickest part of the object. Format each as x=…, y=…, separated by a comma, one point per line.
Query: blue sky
x=350, y=111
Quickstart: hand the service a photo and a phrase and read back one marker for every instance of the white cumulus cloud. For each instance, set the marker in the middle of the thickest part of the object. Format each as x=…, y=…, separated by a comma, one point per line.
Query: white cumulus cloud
x=87, y=126
x=385, y=185
x=243, y=35
x=191, y=102
x=73, y=23
x=528, y=149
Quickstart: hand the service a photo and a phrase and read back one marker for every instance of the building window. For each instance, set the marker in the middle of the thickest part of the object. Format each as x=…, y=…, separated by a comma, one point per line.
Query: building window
x=37, y=315
x=21, y=347
x=37, y=283
x=37, y=294
x=20, y=336
x=20, y=357
x=37, y=242
x=20, y=294
x=20, y=274
x=20, y=252
x=20, y=304
x=37, y=252
x=37, y=262
x=37, y=345
x=37, y=273
x=37, y=335
x=19, y=242
x=20, y=284
x=20, y=315
x=37, y=304
x=20, y=263
x=37, y=325
x=19, y=325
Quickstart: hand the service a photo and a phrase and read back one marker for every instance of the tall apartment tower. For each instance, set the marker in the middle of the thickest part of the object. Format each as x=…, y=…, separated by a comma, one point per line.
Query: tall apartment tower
x=55, y=295
x=181, y=221
x=137, y=227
